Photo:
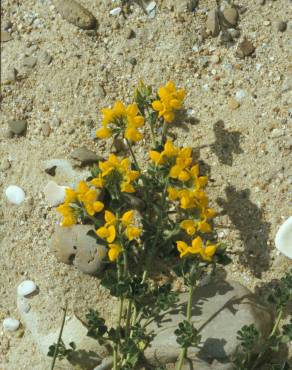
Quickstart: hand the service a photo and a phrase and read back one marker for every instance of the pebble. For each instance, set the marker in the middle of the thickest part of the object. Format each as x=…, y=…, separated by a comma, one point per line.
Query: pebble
x=245, y=49
x=85, y=156
x=234, y=33
x=17, y=127
x=230, y=15
x=29, y=62
x=212, y=22
x=46, y=129
x=133, y=61
x=100, y=91
x=54, y=194
x=44, y=57
x=233, y=104
x=15, y=194
x=281, y=26
x=6, y=25
x=10, y=76
x=215, y=59
x=76, y=14
x=130, y=34
x=5, y=164
x=10, y=324
x=5, y=36
x=266, y=23
x=277, y=132
x=240, y=95
x=116, y=11
x=283, y=240
x=26, y=288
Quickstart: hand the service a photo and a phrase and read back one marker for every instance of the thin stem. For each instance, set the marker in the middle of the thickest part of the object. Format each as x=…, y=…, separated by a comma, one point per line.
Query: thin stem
x=59, y=339
x=164, y=132
x=133, y=154
x=115, y=358
x=183, y=352
x=128, y=320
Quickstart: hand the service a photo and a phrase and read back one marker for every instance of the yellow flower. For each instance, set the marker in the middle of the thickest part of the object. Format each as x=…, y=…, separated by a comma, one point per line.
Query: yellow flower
x=133, y=232
x=103, y=133
x=156, y=157
x=108, y=233
x=190, y=226
x=110, y=218
x=69, y=217
x=173, y=193
x=204, y=227
x=133, y=134
x=114, y=251
x=208, y=252
x=98, y=182
x=127, y=218
x=169, y=149
x=182, y=247
x=88, y=197
x=170, y=101
x=197, y=246
x=127, y=187
x=70, y=196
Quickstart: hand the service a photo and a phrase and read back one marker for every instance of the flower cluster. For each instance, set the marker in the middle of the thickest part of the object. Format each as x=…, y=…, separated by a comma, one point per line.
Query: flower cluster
x=197, y=248
x=170, y=100
x=115, y=228
x=83, y=197
x=121, y=119
x=116, y=171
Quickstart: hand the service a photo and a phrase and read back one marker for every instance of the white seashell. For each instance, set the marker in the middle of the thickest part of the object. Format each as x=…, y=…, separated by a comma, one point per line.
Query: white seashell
x=54, y=193
x=26, y=288
x=116, y=11
x=15, y=194
x=10, y=324
x=283, y=238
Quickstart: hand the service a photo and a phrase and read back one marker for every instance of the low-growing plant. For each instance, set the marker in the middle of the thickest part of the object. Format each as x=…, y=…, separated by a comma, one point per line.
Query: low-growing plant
x=147, y=215
x=246, y=358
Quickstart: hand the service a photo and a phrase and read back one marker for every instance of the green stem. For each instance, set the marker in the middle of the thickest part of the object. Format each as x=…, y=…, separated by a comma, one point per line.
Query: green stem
x=275, y=328
x=115, y=358
x=164, y=132
x=59, y=339
x=128, y=320
x=183, y=352
x=133, y=154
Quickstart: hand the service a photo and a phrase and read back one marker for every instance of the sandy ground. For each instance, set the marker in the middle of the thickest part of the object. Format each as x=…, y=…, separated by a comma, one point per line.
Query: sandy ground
x=246, y=151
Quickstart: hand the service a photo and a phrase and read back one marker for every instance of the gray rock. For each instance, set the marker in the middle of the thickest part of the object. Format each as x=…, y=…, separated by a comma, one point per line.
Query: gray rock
x=44, y=57
x=219, y=311
x=185, y=5
x=85, y=156
x=6, y=25
x=234, y=33
x=282, y=26
x=203, y=365
x=76, y=14
x=17, y=127
x=230, y=16
x=101, y=91
x=29, y=62
x=130, y=34
x=10, y=76
x=5, y=36
x=73, y=245
x=245, y=49
x=212, y=22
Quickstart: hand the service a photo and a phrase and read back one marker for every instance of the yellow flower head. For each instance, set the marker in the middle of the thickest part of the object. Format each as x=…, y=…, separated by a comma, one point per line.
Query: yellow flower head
x=69, y=216
x=196, y=248
x=114, y=251
x=170, y=101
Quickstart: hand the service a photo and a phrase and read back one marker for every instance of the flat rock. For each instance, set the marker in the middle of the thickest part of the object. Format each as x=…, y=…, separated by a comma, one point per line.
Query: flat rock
x=76, y=14
x=5, y=36
x=214, y=306
x=10, y=75
x=212, y=22
x=245, y=49
x=15, y=194
x=73, y=245
x=26, y=288
x=85, y=156
x=17, y=127
x=10, y=324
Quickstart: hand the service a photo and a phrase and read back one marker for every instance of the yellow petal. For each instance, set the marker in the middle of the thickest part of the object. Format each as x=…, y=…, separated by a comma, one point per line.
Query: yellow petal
x=71, y=195
x=126, y=187
x=97, y=182
x=175, y=171
x=184, y=176
x=82, y=187
x=172, y=193
x=156, y=157
x=132, y=109
x=114, y=251
x=102, y=232
x=197, y=246
x=157, y=105
x=204, y=227
x=132, y=134
x=112, y=234
x=175, y=103
x=98, y=206
x=168, y=116
x=189, y=226
x=133, y=232
x=103, y=133
x=109, y=217
x=127, y=218
x=182, y=247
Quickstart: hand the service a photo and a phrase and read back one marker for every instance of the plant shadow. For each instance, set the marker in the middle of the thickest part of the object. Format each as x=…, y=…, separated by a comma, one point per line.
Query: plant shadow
x=254, y=231
x=226, y=143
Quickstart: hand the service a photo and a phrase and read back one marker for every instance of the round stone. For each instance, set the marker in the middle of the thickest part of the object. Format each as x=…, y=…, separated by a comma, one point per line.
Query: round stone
x=282, y=26
x=26, y=288
x=10, y=324
x=15, y=194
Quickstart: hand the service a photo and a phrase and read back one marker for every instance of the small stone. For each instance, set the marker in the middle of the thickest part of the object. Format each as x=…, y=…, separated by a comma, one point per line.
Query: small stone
x=230, y=16
x=46, y=129
x=74, y=245
x=5, y=164
x=15, y=194
x=116, y=11
x=245, y=49
x=76, y=14
x=233, y=104
x=29, y=62
x=234, y=33
x=101, y=91
x=283, y=240
x=240, y=95
x=133, y=61
x=226, y=37
x=277, y=132
x=85, y=156
x=130, y=34
x=54, y=194
x=6, y=25
x=10, y=324
x=27, y=288
x=17, y=127
x=10, y=76
x=212, y=22
x=44, y=57
x=281, y=26
x=266, y=23
x=215, y=59
x=5, y=36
